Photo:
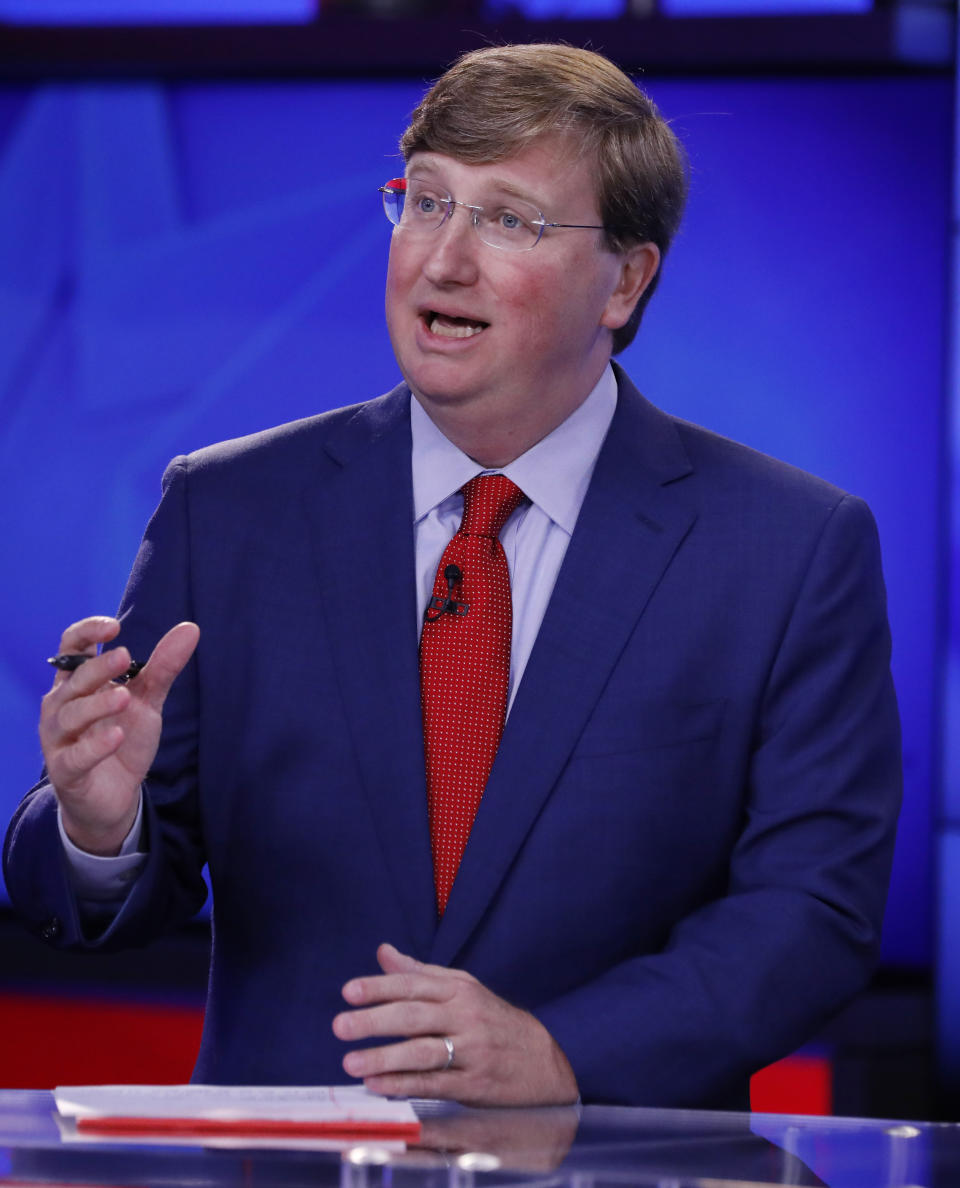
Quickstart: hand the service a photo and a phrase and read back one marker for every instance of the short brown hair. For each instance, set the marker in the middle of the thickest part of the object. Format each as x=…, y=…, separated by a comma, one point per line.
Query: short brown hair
x=493, y=102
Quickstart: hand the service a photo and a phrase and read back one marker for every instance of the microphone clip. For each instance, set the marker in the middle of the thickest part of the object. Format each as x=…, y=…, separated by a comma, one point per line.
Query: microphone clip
x=453, y=575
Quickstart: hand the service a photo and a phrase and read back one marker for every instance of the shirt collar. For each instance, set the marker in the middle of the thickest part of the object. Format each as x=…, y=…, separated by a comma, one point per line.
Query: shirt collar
x=554, y=474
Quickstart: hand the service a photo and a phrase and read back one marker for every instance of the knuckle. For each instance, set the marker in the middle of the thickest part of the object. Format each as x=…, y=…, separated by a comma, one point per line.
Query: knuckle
x=77, y=759
x=75, y=628
x=422, y=1018
x=471, y=1007
x=64, y=774
x=354, y=1025
x=377, y=1062
x=56, y=695
x=400, y=1017
x=63, y=726
x=393, y=1061
x=48, y=717
x=87, y=751
x=72, y=719
x=425, y=1053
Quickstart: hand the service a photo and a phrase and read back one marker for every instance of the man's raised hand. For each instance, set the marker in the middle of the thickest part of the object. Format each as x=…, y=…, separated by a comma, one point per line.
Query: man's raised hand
x=99, y=738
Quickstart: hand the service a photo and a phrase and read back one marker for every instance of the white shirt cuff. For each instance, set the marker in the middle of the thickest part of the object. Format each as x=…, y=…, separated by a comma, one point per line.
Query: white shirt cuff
x=105, y=879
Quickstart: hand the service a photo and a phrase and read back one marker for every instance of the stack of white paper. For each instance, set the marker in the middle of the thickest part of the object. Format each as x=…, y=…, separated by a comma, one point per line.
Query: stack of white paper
x=237, y=1114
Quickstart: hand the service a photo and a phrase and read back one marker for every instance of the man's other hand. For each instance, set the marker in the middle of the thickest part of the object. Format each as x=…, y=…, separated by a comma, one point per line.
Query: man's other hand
x=502, y=1055
x=99, y=738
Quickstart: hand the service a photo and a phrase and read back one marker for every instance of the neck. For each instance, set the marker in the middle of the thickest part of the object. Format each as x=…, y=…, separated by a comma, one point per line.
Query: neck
x=495, y=435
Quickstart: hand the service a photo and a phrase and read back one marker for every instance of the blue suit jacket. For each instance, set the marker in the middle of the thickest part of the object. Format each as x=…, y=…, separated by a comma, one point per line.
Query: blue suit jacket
x=681, y=857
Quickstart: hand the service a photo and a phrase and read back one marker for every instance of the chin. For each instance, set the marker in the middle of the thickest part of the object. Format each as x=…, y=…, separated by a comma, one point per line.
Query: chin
x=446, y=396
x=442, y=385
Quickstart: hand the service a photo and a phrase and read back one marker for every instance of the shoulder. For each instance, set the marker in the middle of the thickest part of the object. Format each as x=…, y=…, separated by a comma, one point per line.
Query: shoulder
x=754, y=512
x=730, y=467
x=756, y=502
x=289, y=451
x=722, y=476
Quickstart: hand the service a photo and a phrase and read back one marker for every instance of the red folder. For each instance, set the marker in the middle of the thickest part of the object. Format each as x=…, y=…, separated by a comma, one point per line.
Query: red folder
x=342, y=1128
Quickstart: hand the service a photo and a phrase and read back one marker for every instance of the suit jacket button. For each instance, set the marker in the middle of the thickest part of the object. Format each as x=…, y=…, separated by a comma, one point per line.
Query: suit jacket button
x=51, y=930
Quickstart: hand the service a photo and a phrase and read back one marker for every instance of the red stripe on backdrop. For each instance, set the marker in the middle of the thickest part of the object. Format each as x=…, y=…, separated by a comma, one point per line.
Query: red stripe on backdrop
x=801, y=1084
x=48, y=1041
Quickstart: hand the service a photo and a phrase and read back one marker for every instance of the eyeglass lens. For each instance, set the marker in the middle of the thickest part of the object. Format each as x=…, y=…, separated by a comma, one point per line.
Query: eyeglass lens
x=507, y=223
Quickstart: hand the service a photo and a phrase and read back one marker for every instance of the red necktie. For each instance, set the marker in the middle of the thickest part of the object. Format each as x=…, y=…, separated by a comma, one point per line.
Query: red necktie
x=464, y=670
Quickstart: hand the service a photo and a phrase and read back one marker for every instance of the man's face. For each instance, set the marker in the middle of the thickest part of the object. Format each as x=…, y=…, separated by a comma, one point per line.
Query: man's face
x=513, y=338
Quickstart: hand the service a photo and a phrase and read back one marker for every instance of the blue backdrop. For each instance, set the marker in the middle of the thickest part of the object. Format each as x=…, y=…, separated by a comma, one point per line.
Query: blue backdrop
x=180, y=264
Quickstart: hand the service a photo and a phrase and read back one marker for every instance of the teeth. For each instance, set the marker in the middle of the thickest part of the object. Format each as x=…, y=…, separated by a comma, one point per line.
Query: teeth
x=447, y=328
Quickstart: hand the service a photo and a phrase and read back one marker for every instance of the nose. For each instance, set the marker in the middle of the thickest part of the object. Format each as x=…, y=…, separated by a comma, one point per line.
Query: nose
x=452, y=255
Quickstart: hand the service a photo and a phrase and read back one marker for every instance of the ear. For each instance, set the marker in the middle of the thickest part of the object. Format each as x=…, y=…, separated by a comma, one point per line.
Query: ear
x=638, y=267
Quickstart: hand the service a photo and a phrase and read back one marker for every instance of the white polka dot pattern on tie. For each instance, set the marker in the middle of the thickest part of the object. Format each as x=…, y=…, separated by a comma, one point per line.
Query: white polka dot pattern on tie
x=464, y=670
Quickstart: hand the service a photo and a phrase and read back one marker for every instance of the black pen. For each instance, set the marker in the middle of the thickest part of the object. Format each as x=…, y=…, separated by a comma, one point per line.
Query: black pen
x=69, y=661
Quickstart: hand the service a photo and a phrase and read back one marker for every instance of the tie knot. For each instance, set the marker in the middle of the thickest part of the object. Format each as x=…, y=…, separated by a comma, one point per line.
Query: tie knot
x=488, y=502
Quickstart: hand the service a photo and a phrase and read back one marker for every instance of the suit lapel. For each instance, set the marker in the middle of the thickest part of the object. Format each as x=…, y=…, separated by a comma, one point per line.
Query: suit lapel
x=629, y=528
x=362, y=519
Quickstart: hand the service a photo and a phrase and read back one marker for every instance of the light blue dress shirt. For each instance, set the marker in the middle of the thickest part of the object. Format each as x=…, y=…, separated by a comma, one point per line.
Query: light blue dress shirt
x=554, y=475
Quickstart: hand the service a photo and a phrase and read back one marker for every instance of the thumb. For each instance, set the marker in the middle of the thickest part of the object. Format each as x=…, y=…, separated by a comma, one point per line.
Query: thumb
x=167, y=661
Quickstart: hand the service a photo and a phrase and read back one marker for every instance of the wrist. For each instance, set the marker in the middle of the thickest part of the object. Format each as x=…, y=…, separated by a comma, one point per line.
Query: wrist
x=102, y=841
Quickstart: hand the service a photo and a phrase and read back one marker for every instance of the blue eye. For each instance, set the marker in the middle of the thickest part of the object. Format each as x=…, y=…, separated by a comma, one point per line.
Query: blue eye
x=509, y=220
x=426, y=204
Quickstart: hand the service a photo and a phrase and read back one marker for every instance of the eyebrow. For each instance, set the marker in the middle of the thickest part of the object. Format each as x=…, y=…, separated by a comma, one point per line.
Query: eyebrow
x=496, y=186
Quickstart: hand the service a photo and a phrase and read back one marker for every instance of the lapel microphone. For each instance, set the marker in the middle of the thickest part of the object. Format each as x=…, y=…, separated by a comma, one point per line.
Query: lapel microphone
x=453, y=576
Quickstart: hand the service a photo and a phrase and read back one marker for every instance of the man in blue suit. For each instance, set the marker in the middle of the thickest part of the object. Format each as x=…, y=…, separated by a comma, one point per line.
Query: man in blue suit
x=679, y=863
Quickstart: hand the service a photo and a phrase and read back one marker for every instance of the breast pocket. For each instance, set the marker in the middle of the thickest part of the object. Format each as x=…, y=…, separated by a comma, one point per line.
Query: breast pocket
x=652, y=725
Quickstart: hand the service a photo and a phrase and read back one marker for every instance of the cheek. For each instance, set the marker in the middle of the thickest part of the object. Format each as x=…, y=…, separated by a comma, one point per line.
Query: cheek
x=533, y=302
x=556, y=319
x=395, y=298
x=393, y=278
x=401, y=271
x=561, y=303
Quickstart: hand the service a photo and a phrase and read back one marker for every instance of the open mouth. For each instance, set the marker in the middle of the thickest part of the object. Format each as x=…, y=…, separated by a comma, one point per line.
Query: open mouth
x=450, y=327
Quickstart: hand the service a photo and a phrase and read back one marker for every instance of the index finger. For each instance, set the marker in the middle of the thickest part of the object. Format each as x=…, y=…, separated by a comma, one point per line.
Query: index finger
x=392, y=960
x=83, y=636
x=81, y=639
x=401, y=987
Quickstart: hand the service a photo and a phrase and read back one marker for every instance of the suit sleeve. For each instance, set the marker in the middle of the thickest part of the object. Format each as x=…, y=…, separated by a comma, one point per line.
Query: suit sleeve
x=170, y=888
x=750, y=976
